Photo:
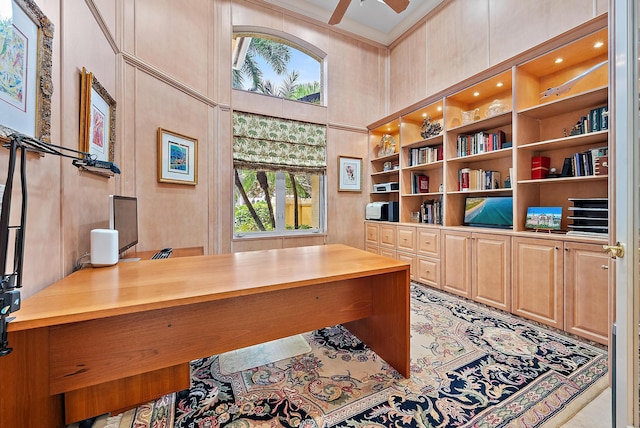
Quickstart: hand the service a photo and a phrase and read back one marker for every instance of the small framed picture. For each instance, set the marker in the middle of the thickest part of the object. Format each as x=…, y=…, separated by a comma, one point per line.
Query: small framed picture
x=97, y=118
x=177, y=158
x=543, y=218
x=350, y=174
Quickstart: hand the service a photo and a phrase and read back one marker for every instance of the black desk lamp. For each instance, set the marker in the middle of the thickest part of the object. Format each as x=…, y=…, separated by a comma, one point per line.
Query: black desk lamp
x=12, y=281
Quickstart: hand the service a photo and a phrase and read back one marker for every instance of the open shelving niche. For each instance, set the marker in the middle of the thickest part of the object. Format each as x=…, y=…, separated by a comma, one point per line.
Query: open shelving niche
x=544, y=123
x=534, y=125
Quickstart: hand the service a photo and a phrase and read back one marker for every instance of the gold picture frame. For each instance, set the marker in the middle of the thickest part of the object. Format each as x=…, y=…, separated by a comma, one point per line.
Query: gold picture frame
x=26, y=104
x=97, y=118
x=177, y=158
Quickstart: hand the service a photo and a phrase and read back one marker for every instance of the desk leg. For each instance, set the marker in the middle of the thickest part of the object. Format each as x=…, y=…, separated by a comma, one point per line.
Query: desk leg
x=24, y=396
x=387, y=330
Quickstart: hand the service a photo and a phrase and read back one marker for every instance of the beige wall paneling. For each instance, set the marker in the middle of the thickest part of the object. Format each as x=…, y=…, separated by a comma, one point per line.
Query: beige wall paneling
x=220, y=183
x=512, y=29
x=84, y=196
x=345, y=210
x=174, y=38
x=170, y=215
x=249, y=244
x=409, y=68
x=457, y=45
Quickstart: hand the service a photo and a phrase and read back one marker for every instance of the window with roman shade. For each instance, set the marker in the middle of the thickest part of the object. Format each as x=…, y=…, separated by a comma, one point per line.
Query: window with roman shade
x=279, y=175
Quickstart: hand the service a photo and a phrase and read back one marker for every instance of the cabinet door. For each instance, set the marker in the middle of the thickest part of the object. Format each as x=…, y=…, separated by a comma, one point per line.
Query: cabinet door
x=406, y=238
x=456, y=249
x=372, y=249
x=388, y=235
x=371, y=233
x=586, y=291
x=538, y=280
x=428, y=242
x=491, y=277
x=428, y=271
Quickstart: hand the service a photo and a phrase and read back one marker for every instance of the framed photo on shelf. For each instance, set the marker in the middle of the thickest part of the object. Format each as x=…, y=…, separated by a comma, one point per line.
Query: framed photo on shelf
x=350, y=174
x=25, y=66
x=177, y=158
x=97, y=118
x=543, y=218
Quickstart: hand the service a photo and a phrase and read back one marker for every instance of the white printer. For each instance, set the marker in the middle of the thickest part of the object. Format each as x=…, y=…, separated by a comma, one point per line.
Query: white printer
x=377, y=211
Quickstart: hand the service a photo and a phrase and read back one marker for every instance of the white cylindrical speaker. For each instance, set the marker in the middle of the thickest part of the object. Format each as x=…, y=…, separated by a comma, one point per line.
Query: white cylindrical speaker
x=104, y=247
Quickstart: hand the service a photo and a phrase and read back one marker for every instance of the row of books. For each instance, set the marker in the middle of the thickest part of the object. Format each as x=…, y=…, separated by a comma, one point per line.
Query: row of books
x=478, y=179
x=589, y=162
x=419, y=183
x=480, y=142
x=431, y=211
x=423, y=155
x=596, y=120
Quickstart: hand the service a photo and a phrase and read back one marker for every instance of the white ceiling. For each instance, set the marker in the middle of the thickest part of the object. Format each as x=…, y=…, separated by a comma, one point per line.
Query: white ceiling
x=370, y=19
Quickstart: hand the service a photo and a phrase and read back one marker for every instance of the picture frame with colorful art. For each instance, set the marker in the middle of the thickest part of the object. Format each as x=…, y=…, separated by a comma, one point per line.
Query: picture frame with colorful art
x=350, y=174
x=97, y=118
x=177, y=158
x=26, y=37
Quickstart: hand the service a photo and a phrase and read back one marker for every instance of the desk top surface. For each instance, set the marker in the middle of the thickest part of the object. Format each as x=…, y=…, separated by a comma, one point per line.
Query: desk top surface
x=131, y=287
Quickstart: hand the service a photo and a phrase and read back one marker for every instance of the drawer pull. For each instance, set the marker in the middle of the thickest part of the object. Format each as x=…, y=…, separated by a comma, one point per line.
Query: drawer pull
x=605, y=267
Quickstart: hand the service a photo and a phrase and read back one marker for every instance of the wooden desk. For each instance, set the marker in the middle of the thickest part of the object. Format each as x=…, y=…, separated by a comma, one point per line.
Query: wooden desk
x=135, y=326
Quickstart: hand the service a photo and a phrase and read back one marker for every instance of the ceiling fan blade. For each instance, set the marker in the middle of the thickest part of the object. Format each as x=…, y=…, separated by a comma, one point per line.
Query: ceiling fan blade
x=397, y=5
x=341, y=9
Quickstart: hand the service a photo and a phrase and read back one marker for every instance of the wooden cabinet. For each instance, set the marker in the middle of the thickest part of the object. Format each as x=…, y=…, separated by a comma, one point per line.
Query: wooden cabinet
x=555, y=280
x=491, y=274
x=456, y=251
x=586, y=291
x=478, y=266
x=538, y=269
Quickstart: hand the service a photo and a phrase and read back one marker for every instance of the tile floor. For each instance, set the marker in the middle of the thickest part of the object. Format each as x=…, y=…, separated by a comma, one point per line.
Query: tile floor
x=596, y=414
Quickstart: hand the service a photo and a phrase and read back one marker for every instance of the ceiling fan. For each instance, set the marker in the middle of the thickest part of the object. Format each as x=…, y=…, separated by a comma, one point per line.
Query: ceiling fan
x=397, y=5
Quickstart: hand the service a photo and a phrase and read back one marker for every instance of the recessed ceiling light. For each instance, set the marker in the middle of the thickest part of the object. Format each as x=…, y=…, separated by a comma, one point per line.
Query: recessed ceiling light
x=598, y=45
x=558, y=60
x=475, y=94
x=389, y=129
x=424, y=114
x=499, y=84
x=439, y=108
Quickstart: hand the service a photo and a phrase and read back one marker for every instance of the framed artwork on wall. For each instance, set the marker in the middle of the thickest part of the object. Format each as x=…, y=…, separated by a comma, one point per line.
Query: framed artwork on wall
x=25, y=66
x=97, y=118
x=177, y=158
x=349, y=174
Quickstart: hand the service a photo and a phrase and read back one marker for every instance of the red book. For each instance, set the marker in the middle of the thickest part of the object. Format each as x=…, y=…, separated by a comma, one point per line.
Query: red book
x=423, y=184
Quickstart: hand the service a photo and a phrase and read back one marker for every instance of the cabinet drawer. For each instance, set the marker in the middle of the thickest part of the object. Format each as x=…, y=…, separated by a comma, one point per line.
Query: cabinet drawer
x=429, y=242
x=406, y=238
x=387, y=252
x=409, y=258
x=428, y=271
x=371, y=233
x=388, y=235
x=372, y=249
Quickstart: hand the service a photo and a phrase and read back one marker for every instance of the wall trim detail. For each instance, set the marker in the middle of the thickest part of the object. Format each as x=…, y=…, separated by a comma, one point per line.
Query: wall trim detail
x=103, y=25
x=155, y=72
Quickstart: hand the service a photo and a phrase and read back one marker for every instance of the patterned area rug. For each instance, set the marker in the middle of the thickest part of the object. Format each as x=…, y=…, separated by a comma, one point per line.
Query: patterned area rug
x=471, y=367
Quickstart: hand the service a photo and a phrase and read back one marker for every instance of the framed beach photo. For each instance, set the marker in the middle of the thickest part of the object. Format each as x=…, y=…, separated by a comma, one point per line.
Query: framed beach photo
x=177, y=158
x=97, y=118
x=350, y=174
x=26, y=86
x=544, y=218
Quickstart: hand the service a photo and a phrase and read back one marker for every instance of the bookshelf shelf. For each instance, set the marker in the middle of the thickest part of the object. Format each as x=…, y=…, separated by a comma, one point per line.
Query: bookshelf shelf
x=495, y=154
x=589, y=138
x=558, y=180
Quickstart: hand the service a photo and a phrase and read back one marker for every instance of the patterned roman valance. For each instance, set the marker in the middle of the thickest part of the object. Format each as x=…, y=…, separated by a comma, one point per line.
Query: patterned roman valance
x=275, y=144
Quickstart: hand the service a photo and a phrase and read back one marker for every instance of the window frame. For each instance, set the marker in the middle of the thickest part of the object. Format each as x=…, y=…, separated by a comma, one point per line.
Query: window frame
x=289, y=40
x=280, y=203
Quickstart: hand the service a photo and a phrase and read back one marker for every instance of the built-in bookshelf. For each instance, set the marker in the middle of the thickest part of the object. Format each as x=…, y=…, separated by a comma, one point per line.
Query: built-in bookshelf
x=490, y=134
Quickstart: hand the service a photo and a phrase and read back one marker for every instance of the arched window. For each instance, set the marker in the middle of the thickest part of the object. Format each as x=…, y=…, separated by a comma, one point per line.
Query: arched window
x=277, y=66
